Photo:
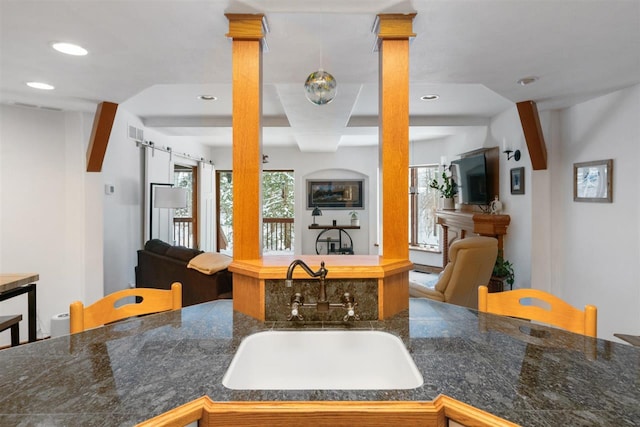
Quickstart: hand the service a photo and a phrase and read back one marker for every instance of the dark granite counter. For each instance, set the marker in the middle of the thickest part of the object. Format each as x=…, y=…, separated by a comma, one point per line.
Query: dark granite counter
x=129, y=372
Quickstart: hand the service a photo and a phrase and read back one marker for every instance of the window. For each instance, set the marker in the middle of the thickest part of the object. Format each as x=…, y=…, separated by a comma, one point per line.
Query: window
x=185, y=220
x=277, y=212
x=423, y=202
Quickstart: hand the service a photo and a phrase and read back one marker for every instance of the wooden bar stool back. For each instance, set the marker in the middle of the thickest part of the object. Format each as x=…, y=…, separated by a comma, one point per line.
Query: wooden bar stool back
x=559, y=313
x=104, y=311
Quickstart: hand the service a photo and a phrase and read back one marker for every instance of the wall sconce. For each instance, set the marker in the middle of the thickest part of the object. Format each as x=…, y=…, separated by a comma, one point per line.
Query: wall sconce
x=165, y=197
x=515, y=155
x=316, y=212
x=265, y=158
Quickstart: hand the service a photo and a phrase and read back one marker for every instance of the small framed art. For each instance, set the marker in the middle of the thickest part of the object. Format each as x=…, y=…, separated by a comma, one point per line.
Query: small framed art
x=592, y=181
x=517, y=181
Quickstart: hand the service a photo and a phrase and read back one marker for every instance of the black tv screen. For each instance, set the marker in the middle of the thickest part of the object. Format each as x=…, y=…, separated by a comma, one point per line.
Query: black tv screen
x=471, y=173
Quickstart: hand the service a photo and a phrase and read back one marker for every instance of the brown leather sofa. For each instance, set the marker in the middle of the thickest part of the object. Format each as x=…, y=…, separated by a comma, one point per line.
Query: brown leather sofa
x=160, y=264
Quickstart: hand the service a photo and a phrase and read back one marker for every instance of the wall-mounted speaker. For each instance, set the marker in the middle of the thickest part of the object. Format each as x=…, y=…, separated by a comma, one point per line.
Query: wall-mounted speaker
x=532, y=129
x=102, y=124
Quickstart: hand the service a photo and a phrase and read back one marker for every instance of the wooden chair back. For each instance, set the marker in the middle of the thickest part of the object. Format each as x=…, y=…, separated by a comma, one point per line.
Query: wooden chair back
x=559, y=313
x=105, y=311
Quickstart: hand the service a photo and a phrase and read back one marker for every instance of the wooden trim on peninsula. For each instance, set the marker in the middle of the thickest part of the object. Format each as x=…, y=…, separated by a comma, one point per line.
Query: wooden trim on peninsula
x=433, y=413
x=339, y=266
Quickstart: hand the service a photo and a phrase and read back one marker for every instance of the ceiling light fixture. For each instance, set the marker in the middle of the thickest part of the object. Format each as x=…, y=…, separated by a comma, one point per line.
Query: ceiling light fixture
x=208, y=97
x=320, y=87
x=430, y=97
x=70, y=49
x=527, y=80
x=40, y=85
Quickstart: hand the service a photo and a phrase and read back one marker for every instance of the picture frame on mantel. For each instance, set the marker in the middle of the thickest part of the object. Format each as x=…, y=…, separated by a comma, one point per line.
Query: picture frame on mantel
x=517, y=180
x=592, y=181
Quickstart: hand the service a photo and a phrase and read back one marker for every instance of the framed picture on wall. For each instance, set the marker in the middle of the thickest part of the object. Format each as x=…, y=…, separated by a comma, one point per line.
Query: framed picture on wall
x=517, y=181
x=334, y=194
x=592, y=181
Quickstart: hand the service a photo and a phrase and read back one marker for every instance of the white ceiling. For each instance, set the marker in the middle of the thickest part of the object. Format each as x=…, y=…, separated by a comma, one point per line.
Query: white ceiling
x=155, y=57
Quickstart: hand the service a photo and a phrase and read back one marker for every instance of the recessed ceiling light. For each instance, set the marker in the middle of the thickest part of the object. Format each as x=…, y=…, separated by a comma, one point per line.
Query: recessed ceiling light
x=40, y=85
x=429, y=97
x=527, y=80
x=70, y=49
x=208, y=97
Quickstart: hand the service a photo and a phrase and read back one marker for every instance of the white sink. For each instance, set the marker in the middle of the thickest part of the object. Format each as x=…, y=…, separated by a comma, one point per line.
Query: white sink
x=322, y=360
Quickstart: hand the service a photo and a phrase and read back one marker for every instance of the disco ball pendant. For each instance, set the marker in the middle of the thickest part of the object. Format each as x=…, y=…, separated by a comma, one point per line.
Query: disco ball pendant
x=320, y=87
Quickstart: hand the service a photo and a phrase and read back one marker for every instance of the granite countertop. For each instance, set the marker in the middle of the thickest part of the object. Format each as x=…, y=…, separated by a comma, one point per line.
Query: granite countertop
x=126, y=373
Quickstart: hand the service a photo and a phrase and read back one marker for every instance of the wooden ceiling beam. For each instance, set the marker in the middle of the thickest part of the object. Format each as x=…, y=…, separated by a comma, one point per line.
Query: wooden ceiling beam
x=102, y=124
x=532, y=129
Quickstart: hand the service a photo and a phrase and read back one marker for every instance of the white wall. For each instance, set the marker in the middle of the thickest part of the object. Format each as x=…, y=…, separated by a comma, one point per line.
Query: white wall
x=51, y=211
x=124, y=209
x=506, y=132
x=582, y=252
x=596, y=246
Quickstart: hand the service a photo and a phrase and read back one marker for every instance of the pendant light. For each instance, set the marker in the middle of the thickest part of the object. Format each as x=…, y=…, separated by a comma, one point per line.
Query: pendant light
x=320, y=87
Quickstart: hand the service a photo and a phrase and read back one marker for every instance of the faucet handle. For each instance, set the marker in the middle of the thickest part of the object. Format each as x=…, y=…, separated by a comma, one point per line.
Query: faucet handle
x=351, y=315
x=297, y=301
x=349, y=302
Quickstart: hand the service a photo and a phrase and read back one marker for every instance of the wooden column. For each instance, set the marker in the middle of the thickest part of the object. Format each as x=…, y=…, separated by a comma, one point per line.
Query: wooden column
x=247, y=32
x=394, y=31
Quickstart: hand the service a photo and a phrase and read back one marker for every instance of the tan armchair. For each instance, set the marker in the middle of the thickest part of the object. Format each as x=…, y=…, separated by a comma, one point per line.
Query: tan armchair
x=470, y=265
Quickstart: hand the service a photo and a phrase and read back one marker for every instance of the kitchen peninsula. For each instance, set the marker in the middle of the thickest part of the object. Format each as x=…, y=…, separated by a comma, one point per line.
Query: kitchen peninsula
x=132, y=371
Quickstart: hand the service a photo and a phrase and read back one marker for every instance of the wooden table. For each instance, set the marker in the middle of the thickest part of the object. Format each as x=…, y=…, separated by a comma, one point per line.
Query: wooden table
x=12, y=285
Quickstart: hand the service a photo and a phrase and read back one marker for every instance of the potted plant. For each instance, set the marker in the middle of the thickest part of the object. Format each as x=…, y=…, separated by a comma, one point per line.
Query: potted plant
x=355, y=222
x=503, y=271
x=448, y=188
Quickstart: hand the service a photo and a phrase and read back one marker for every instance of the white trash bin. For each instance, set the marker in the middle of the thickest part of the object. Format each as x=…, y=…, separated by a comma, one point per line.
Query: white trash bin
x=60, y=325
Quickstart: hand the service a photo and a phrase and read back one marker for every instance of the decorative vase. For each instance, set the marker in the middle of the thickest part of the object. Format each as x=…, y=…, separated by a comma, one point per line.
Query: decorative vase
x=496, y=206
x=448, y=204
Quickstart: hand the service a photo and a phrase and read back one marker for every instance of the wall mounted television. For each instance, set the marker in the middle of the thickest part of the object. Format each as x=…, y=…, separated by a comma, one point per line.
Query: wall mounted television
x=471, y=176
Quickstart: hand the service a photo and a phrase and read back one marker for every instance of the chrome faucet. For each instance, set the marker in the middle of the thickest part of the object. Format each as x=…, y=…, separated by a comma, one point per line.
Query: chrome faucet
x=322, y=304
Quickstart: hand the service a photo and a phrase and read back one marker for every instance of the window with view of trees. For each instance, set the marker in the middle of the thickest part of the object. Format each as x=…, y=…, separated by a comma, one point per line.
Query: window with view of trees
x=423, y=202
x=277, y=211
x=185, y=231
